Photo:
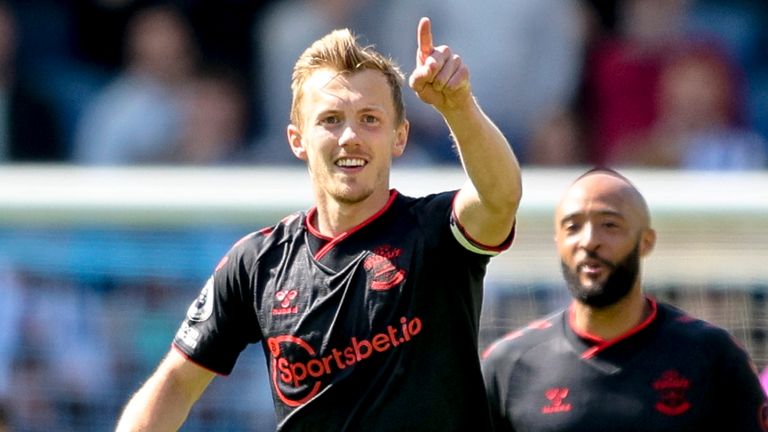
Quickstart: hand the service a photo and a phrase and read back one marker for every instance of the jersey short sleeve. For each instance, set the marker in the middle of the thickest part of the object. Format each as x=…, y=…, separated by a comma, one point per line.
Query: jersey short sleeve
x=221, y=321
x=443, y=204
x=741, y=399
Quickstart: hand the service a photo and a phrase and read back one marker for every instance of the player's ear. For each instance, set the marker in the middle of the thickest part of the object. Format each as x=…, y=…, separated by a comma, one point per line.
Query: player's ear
x=647, y=241
x=296, y=142
x=401, y=138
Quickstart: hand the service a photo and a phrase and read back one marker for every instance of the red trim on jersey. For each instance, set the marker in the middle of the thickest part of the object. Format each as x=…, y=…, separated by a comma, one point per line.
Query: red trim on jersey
x=539, y=324
x=499, y=248
x=312, y=230
x=509, y=336
x=333, y=241
x=250, y=235
x=186, y=356
x=600, y=343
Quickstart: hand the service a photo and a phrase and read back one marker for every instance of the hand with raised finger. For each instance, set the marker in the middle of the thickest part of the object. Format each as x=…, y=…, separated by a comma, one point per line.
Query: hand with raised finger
x=440, y=78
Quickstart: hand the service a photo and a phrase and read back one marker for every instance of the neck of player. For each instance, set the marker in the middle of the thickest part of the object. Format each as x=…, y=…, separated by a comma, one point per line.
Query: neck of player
x=612, y=321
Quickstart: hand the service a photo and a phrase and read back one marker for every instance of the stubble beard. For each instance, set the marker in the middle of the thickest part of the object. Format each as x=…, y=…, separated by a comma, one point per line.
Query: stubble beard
x=354, y=191
x=352, y=197
x=341, y=190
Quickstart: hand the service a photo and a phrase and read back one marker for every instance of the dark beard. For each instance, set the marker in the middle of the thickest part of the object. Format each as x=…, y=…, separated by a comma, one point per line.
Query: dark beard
x=616, y=286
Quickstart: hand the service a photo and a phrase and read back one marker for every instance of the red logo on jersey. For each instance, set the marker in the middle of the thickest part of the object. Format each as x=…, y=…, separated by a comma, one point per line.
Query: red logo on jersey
x=285, y=297
x=672, y=388
x=556, y=397
x=385, y=274
x=298, y=372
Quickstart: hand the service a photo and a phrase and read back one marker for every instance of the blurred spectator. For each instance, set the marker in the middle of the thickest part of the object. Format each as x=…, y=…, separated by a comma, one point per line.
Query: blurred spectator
x=622, y=72
x=281, y=34
x=60, y=337
x=28, y=126
x=557, y=141
x=648, y=93
x=527, y=57
x=738, y=24
x=149, y=334
x=32, y=405
x=215, y=120
x=137, y=118
x=698, y=120
x=225, y=28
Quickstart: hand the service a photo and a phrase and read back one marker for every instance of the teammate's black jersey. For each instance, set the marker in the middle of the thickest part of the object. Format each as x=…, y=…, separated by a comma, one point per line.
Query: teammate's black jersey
x=671, y=373
x=374, y=330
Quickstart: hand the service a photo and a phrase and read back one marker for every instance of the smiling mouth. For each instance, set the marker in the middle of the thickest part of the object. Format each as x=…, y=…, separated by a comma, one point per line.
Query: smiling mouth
x=350, y=163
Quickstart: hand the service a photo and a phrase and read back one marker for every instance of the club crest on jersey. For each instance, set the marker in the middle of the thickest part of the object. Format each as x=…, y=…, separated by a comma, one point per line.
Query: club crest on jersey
x=202, y=308
x=672, y=388
x=385, y=274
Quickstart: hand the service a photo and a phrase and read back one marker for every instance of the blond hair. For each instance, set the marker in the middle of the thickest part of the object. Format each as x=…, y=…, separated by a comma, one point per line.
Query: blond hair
x=340, y=51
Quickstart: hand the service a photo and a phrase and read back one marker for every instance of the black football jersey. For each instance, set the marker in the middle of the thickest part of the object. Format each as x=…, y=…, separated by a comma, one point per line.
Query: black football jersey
x=671, y=373
x=373, y=330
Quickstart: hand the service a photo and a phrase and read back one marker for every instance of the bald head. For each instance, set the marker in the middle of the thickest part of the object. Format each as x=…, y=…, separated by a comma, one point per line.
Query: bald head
x=605, y=191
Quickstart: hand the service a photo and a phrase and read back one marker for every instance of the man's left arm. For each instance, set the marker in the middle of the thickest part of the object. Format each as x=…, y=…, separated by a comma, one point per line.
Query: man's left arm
x=487, y=203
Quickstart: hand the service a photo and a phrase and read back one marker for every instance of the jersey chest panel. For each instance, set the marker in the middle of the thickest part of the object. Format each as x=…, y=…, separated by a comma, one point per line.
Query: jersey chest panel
x=655, y=389
x=352, y=311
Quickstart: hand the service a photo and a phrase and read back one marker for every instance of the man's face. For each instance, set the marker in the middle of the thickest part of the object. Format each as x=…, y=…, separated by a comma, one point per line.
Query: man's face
x=601, y=233
x=348, y=134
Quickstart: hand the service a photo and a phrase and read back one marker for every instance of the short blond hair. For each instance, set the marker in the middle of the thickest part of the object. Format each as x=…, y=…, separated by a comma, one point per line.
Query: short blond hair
x=340, y=51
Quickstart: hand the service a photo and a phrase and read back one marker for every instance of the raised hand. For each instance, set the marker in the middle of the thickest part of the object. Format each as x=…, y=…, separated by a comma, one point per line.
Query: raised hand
x=440, y=78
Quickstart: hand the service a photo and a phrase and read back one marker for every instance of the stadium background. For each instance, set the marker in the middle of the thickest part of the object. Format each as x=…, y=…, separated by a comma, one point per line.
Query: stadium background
x=99, y=261
x=104, y=262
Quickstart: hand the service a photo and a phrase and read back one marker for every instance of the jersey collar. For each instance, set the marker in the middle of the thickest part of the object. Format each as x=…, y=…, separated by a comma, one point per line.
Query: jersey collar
x=331, y=242
x=590, y=345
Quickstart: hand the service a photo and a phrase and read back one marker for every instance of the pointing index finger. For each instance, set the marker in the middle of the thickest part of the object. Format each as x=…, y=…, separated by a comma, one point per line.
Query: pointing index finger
x=424, y=37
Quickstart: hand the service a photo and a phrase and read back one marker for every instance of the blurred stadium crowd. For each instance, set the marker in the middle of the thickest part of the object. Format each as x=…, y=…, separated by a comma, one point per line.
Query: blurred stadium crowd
x=680, y=84
x=667, y=83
